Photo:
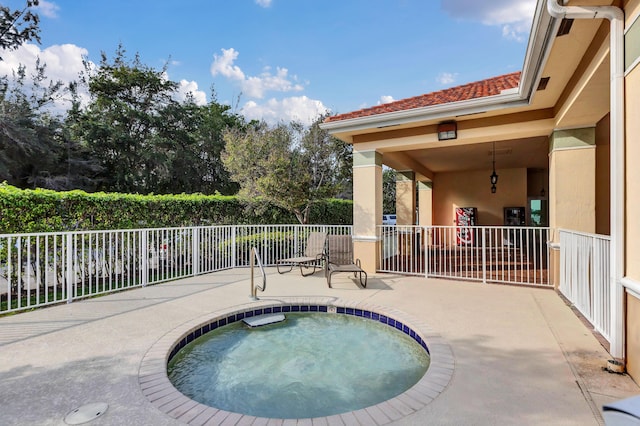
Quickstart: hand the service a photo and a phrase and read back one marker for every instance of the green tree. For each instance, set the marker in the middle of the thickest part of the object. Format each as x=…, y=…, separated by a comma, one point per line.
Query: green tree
x=331, y=160
x=388, y=191
x=18, y=26
x=194, y=133
x=285, y=165
x=144, y=138
x=122, y=121
x=34, y=148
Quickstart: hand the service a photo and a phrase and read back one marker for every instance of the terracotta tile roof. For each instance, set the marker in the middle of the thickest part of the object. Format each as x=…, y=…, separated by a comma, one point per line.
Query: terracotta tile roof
x=478, y=89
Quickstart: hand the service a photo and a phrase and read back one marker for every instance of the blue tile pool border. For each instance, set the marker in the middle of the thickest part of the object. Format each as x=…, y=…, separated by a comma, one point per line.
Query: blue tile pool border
x=236, y=317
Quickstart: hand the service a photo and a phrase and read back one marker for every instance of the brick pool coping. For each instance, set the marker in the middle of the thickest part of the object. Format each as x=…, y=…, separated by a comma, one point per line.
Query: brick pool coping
x=160, y=392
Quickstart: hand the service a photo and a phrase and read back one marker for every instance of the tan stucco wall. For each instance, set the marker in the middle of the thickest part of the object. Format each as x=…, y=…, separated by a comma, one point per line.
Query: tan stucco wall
x=632, y=86
x=367, y=207
x=603, y=186
x=572, y=193
x=633, y=337
x=632, y=222
x=425, y=204
x=367, y=253
x=367, y=199
x=537, y=180
x=405, y=198
x=473, y=189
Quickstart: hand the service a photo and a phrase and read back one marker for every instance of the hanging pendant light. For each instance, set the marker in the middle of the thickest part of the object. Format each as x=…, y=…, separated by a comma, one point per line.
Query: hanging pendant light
x=494, y=176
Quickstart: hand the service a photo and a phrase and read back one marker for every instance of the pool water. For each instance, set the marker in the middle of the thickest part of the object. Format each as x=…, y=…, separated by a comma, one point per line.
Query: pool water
x=310, y=365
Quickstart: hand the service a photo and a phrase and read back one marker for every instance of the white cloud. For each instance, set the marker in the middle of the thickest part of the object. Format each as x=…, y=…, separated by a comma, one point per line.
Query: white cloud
x=48, y=9
x=186, y=88
x=385, y=99
x=514, y=16
x=256, y=87
x=223, y=65
x=446, y=78
x=263, y=3
x=64, y=63
x=296, y=108
x=253, y=86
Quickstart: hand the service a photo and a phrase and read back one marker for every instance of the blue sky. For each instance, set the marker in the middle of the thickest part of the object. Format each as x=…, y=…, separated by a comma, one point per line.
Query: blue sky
x=290, y=59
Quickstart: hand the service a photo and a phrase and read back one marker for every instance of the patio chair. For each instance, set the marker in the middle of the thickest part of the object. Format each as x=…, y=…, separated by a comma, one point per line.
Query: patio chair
x=313, y=255
x=339, y=258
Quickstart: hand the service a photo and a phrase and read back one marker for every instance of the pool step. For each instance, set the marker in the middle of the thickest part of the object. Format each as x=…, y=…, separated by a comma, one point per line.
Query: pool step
x=265, y=319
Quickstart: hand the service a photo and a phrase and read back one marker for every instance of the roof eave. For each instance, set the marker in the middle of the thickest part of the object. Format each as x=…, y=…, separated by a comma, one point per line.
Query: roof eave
x=435, y=112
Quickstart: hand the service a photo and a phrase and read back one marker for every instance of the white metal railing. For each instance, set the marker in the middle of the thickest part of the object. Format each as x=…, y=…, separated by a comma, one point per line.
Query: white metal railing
x=38, y=269
x=584, y=276
x=515, y=255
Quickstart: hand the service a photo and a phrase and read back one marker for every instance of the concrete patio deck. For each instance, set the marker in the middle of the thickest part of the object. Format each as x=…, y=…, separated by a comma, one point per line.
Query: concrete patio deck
x=521, y=355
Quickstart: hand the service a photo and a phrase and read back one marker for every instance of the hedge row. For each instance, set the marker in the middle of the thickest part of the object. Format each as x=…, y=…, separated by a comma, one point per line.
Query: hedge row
x=43, y=210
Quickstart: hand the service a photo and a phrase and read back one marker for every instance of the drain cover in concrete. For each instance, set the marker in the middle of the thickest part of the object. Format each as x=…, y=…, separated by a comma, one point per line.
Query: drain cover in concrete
x=86, y=413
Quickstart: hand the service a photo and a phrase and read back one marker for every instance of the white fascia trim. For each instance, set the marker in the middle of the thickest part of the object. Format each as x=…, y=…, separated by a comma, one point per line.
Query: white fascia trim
x=468, y=107
x=543, y=32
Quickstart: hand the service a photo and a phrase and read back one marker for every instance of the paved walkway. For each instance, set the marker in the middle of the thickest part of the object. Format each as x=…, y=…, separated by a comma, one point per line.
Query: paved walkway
x=521, y=355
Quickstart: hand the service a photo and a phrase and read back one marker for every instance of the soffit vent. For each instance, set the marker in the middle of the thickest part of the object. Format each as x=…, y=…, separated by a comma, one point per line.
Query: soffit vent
x=565, y=27
x=543, y=83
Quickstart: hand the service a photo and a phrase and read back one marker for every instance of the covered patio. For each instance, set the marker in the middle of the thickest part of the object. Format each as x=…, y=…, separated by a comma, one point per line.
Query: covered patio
x=552, y=142
x=521, y=356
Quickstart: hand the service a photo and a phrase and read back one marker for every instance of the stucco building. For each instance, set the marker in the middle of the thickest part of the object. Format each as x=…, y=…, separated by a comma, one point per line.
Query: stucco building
x=564, y=134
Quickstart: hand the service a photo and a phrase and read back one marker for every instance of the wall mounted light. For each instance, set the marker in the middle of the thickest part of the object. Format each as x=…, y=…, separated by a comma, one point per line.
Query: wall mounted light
x=494, y=176
x=447, y=130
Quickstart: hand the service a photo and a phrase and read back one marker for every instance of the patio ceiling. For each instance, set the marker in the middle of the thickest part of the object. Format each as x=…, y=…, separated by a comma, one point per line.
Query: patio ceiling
x=516, y=153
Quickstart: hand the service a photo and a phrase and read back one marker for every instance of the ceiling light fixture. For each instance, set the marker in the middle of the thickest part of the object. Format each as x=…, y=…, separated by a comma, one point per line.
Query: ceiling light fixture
x=494, y=176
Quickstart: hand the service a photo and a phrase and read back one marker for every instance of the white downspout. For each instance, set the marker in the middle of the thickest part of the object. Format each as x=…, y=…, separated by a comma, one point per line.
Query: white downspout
x=616, y=38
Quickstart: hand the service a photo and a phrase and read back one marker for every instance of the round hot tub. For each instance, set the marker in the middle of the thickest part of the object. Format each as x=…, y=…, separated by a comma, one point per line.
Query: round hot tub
x=323, y=360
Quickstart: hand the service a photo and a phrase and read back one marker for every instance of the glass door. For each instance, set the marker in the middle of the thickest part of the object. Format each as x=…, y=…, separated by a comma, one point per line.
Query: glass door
x=538, y=210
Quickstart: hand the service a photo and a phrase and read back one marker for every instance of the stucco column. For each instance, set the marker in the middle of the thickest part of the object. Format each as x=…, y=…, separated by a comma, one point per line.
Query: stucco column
x=425, y=209
x=367, y=207
x=425, y=203
x=572, y=186
x=405, y=197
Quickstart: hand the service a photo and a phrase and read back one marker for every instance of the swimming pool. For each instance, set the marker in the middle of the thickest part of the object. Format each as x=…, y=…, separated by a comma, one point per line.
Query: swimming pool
x=155, y=384
x=310, y=365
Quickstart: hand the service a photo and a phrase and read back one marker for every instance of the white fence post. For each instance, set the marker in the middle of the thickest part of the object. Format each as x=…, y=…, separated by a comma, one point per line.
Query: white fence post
x=144, y=256
x=195, y=251
x=484, y=256
x=234, y=231
x=69, y=266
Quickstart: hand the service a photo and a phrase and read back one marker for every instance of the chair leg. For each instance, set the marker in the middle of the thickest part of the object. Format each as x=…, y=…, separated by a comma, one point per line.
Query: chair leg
x=278, y=265
x=364, y=285
x=306, y=265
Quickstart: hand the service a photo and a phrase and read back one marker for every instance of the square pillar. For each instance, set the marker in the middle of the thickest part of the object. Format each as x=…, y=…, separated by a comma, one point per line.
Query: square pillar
x=425, y=209
x=367, y=207
x=572, y=187
x=405, y=198
x=425, y=203
x=572, y=180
